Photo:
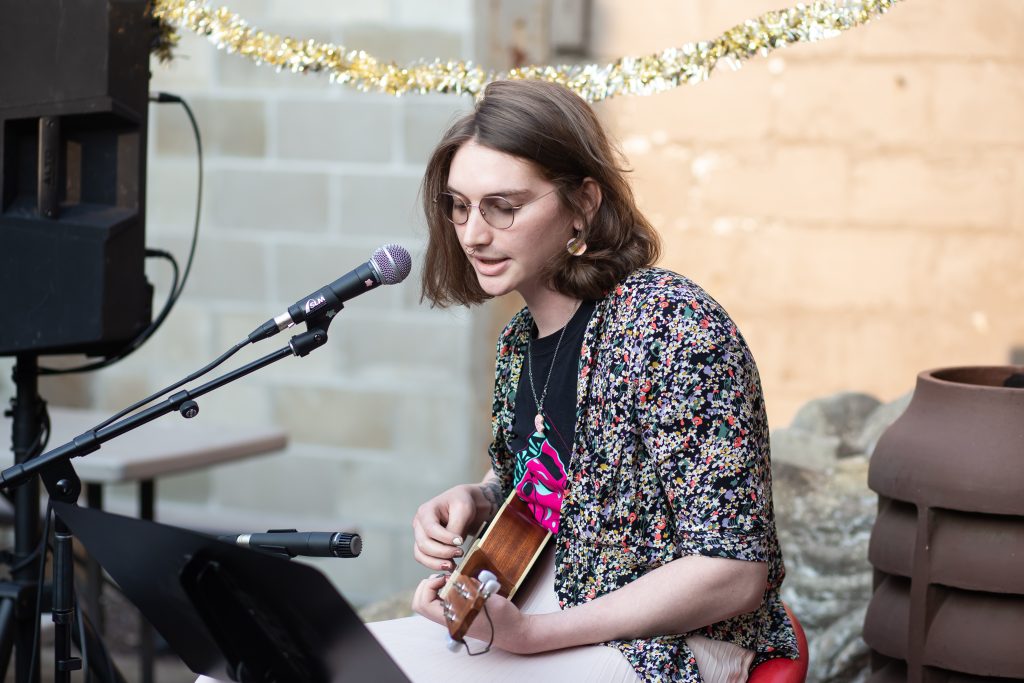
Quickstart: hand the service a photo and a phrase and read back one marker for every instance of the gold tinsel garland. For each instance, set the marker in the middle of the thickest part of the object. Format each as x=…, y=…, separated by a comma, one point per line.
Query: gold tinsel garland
x=645, y=75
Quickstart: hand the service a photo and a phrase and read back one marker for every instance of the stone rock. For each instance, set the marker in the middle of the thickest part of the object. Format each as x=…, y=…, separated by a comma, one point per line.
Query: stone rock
x=841, y=415
x=824, y=519
x=824, y=513
x=804, y=449
x=843, y=654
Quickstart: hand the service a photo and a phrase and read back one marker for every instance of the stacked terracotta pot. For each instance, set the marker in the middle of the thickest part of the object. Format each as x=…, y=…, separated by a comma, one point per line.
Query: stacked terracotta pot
x=948, y=544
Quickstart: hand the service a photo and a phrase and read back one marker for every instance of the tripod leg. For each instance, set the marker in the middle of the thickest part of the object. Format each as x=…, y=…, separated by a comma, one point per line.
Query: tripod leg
x=147, y=508
x=27, y=411
x=6, y=635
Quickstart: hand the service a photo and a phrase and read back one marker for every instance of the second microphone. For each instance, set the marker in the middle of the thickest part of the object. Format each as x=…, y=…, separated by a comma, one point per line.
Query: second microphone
x=306, y=543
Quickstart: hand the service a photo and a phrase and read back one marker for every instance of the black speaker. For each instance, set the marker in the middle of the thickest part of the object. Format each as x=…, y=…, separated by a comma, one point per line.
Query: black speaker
x=74, y=89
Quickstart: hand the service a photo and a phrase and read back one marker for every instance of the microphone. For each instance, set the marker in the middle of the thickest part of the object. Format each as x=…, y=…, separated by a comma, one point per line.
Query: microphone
x=307, y=543
x=389, y=265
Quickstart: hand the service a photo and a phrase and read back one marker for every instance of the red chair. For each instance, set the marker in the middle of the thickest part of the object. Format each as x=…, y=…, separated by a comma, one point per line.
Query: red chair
x=783, y=669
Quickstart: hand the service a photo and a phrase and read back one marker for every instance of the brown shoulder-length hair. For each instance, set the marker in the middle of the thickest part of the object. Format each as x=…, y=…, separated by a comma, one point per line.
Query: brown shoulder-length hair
x=558, y=133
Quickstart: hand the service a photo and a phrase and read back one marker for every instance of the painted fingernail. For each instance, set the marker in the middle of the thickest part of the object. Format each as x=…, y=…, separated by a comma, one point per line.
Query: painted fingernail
x=458, y=552
x=457, y=540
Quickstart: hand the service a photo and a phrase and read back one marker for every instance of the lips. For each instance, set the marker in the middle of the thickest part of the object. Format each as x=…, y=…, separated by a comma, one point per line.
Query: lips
x=489, y=266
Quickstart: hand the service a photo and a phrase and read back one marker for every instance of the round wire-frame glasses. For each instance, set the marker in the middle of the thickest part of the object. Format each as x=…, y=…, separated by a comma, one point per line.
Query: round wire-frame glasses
x=499, y=212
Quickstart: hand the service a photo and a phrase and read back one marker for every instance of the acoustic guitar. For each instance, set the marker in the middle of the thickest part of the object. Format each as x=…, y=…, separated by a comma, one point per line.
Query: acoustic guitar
x=498, y=561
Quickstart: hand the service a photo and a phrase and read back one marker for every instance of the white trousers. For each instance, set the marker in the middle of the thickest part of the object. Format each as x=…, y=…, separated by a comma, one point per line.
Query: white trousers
x=418, y=646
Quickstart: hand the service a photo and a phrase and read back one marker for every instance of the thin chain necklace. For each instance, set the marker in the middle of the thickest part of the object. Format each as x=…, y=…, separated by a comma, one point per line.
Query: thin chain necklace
x=538, y=421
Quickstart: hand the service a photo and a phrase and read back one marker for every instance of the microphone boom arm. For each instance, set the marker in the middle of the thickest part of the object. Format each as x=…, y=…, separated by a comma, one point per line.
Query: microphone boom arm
x=64, y=486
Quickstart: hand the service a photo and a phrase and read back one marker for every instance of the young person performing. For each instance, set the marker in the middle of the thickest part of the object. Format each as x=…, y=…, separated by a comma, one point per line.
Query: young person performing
x=627, y=413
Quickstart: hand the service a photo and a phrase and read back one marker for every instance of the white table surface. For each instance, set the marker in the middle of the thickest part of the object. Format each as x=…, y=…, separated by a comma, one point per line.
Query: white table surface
x=170, y=444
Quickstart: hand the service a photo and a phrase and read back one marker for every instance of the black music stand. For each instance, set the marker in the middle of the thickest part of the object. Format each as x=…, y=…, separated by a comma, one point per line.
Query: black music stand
x=231, y=612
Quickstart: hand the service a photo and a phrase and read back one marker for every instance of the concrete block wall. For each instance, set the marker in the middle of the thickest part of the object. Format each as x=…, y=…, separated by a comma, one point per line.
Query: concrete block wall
x=304, y=180
x=855, y=203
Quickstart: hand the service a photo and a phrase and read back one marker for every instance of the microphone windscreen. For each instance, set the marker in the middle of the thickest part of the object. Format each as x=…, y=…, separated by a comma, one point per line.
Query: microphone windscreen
x=392, y=262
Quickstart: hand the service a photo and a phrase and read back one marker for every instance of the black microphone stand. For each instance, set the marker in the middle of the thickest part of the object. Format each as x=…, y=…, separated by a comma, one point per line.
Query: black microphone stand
x=24, y=596
x=63, y=484
x=17, y=596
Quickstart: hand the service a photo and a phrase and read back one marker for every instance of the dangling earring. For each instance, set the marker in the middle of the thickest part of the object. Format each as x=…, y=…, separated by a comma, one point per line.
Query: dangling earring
x=577, y=245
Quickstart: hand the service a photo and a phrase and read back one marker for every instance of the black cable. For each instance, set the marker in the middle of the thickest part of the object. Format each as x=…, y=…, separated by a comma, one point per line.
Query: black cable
x=82, y=640
x=167, y=97
x=176, y=288
x=39, y=592
x=142, y=337
x=28, y=559
x=39, y=445
x=195, y=375
x=43, y=433
x=42, y=438
x=176, y=291
x=489, y=642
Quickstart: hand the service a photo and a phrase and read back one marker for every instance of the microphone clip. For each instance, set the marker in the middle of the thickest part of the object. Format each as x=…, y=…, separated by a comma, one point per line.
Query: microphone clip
x=315, y=335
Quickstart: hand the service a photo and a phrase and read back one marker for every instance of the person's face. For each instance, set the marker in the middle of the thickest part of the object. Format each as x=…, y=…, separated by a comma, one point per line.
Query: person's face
x=511, y=259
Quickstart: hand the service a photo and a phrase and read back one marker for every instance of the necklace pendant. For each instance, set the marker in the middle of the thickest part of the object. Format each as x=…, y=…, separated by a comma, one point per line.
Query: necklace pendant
x=538, y=422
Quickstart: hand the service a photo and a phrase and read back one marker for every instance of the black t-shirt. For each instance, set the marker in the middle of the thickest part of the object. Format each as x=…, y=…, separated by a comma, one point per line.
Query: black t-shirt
x=560, y=403
x=542, y=459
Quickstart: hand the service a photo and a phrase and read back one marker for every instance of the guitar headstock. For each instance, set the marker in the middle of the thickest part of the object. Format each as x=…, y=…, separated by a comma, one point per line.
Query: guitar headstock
x=463, y=598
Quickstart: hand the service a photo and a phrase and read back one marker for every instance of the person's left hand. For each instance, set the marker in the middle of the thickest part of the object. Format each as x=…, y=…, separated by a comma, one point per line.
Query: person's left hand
x=511, y=626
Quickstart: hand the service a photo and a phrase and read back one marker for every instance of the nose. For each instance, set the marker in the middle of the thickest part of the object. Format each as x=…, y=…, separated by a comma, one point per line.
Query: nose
x=475, y=231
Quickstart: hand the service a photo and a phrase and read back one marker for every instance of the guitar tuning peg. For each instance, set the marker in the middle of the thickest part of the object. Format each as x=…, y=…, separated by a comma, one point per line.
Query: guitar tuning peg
x=453, y=645
x=490, y=588
x=488, y=583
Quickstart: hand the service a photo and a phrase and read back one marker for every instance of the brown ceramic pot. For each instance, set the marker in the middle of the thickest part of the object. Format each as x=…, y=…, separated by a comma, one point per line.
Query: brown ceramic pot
x=948, y=544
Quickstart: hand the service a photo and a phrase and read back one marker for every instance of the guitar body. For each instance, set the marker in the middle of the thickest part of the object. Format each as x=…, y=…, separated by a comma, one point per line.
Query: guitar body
x=508, y=549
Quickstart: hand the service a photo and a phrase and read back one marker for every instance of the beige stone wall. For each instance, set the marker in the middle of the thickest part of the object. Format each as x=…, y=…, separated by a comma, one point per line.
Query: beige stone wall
x=856, y=204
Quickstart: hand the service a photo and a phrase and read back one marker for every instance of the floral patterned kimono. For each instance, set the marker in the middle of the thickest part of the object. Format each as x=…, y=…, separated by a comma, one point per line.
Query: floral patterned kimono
x=670, y=458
